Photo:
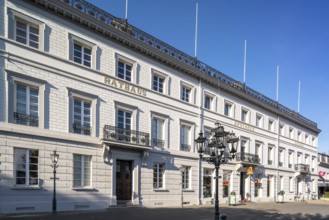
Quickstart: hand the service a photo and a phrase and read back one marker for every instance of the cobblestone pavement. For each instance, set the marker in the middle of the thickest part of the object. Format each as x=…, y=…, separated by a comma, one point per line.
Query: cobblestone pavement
x=314, y=210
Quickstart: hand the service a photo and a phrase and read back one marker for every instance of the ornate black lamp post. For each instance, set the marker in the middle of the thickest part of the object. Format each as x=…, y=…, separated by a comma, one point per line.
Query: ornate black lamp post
x=216, y=153
x=54, y=160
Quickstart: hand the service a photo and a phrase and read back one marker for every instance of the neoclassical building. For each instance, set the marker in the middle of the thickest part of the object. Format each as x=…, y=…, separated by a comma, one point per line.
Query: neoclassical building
x=122, y=109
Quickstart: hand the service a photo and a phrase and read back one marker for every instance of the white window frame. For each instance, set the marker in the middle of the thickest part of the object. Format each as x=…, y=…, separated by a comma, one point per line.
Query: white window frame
x=247, y=116
x=126, y=61
x=165, y=126
x=271, y=125
x=73, y=39
x=15, y=78
x=291, y=184
x=282, y=129
x=165, y=77
x=291, y=133
x=259, y=150
x=27, y=168
x=230, y=110
x=208, y=172
x=14, y=16
x=183, y=139
x=127, y=108
x=259, y=120
x=158, y=175
x=212, y=100
x=186, y=178
x=83, y=158
x=76, y=94
x=82, y=115
x=300, y=136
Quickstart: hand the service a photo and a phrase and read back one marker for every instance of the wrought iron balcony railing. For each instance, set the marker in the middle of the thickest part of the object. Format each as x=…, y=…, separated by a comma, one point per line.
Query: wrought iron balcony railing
x=158, y=142
x=81, y=129
x=303, y=168
x=185, y=147
x=122, y=25
x=24, y=119
x=247, y=157
x=117, y=134
x=323, y=164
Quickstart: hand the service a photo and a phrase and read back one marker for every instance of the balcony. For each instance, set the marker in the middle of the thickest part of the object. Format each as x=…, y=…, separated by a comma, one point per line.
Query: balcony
x=323, y=164
x=24, y=119
x=247, y=158
x=126, y=137
x=185, y=147
x=158, y=142
x=302, y=168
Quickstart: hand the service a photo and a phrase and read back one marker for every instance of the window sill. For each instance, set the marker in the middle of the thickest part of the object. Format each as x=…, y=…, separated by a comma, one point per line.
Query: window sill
x=26, y=187
x=83, y=189
x=160, y=190
x=188, y=190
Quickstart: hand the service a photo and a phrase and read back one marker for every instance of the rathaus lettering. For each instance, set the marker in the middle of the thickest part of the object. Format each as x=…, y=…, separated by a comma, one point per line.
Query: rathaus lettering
x=124, y=86
x=243, y=125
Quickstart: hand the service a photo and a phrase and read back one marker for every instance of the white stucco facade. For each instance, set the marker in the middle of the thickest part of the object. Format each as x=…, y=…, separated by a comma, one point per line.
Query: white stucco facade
x=90, y=165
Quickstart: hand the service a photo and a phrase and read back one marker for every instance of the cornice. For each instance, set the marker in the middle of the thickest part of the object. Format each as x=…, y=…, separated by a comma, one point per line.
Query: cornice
x=118, y=30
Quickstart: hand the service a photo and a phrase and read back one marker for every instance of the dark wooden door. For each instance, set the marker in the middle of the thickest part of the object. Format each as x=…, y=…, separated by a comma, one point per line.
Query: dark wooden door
x=123, y=180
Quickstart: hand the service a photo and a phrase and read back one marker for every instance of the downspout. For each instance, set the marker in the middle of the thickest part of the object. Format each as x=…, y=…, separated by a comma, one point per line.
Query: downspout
x=201, y=129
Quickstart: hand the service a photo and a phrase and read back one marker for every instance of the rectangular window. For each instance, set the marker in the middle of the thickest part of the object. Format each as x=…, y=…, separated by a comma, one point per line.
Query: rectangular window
x=124, y=71
x=227, y=109
x=258, y=151
x=158, y=173
x=291, y=184
x=299, y=136
x=258, y=185
x=185, y=138
x=27, y=99
x=186, y=177
x=185, y=94
x=158, y=83
x=157, y=132
x=207, y=102
x=81, y=170
x=26, y=167
x=281, y=183
x=282, y=130
x=271, y=125
x=281, y=157
x=259, y=121
x=27, y=33
x=291, y=133
x=124, y=119
x=82, y=54
x=306, y=139
x=226, y=182
x=270, y=156
x=244, y=115
x=81, y=117
x=291, y=159
x=207, y=183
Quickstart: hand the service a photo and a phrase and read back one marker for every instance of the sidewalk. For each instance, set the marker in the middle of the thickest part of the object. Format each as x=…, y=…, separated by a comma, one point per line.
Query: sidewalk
x=314, y=209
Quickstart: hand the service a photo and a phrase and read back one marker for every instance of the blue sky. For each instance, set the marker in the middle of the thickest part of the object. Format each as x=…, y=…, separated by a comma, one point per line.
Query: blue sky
x=293, y=34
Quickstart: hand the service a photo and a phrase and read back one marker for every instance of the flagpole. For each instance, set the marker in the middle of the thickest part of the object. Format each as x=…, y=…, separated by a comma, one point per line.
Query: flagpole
x=298, y=96
x=277, y=83
x=196, y=29
x=244, y=61
x=126, y=10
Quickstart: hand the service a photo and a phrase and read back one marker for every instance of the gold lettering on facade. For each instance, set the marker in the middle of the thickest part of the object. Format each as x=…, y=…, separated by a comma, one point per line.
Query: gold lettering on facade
x=124, y=86
x=244, y=126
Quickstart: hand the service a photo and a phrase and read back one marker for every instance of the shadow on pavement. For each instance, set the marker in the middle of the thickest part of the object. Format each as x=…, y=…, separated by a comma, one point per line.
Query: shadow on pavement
x=193, y=213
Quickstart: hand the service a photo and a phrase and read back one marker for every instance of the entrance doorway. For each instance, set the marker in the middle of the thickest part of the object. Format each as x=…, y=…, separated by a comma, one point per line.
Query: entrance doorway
x=123, y=180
